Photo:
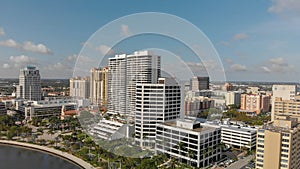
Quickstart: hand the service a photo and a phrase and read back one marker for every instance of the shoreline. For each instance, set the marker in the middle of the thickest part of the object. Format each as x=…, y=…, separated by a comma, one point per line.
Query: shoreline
x=64, y=155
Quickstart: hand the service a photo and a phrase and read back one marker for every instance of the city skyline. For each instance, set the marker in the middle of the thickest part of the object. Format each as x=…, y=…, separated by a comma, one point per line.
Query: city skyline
x=256, y=41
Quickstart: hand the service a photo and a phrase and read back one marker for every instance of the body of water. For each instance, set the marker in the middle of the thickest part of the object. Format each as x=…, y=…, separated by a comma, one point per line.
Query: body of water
x=21, y=158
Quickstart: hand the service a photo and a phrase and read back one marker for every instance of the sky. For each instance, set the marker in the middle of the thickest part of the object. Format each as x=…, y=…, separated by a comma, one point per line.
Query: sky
x=255, y=40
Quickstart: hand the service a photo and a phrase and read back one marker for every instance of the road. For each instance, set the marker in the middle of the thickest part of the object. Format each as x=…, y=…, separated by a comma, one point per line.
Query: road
x=240, y=163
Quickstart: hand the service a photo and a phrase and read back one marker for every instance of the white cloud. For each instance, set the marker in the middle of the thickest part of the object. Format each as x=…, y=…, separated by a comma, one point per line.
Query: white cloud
x=21, y=61
x=240, y=36
x=285, y=6
x=10, y=43
x=39, y=48
x=27, y=46
x=125, y=30
x=2, y=33
x=277, y=65
x=6, y=66
x=103, y=49
x=238, y=67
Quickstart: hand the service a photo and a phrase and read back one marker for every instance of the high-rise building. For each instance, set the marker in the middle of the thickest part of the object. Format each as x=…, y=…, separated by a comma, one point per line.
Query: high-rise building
x=189, y=141
x=99, y=86
x=233, y=98
x=80, y=87
x=125, y=71
x=255, y=103
x=278, y=144
x=285, y=92
x=199, y=83
x=29, y=84
x=285, y=107
x=155, y=103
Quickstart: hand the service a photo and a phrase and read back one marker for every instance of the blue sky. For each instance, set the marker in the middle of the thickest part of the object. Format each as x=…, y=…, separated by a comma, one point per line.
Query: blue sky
x=256, y=40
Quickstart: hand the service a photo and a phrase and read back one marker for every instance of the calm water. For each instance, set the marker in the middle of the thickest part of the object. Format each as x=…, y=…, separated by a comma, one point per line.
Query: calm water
x=20, y=158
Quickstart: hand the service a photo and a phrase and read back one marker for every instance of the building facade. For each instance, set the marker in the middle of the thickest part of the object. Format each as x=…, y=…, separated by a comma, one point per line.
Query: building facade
x=285, y=107
x=189, y=142
x=29, y=84
x=233, y=98
x=125, y=71
x=278, y=144
x=155, y=103
x=3, y=110
x=99, y=86
x=199, y=83
x=80, y=87
x=255, y=103
x=285, y=93
x=195, y=105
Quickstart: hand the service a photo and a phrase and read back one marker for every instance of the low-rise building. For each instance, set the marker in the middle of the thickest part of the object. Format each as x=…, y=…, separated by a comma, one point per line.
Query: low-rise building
x=189, y=141
x=52, y=106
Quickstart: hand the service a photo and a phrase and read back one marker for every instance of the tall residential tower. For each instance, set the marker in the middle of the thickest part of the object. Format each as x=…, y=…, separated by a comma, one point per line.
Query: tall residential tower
x=125, y=71
x=29, y=84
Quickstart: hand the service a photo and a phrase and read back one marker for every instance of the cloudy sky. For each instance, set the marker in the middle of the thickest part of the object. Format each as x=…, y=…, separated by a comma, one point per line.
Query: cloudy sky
x=256, y=40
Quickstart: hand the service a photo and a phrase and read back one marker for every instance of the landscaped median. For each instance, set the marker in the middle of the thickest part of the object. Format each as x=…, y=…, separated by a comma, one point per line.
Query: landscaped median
x=52, y=151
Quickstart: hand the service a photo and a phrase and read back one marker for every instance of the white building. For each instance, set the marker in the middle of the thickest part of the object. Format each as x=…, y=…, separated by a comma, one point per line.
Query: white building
x=233, y=98
x=45, y=108
x=189, y=141
x=80, y=87
x=29, y=84
x=124, y=72
x=155, y=103
x=112, y=130
x=286, y=92
x=238, y=136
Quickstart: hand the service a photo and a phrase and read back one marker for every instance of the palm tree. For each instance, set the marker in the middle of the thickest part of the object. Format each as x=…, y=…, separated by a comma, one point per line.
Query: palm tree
x=191, y=155
x=180, y=147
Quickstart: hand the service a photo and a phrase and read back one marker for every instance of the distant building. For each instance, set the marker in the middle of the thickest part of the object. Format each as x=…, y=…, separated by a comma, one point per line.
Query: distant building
x=278, y=144
x=189, y=141
x=195, y=105
x=99, y=86
x=3, y=109
x=253, y=90
x=80, y=87
x=285, y=107
x=233, y=98
x=199, y=83
x=155, y=103
x=285, y=92
x=227, y=87
x=255, y=103
x=52, y=106
x=29, y=84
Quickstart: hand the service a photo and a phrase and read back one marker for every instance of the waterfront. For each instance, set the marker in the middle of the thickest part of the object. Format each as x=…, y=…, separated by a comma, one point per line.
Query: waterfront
x=12, y=157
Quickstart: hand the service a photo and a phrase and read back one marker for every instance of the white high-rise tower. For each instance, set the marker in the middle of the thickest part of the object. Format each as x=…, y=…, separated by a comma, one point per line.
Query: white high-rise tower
x=125, y=71
x=29, y=84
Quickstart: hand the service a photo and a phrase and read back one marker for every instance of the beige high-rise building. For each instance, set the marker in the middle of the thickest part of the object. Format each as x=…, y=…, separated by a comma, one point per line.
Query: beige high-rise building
x=286, y=93
x=278, y=144
x=99, y=86
x=80, y=87
x=255, y=103
x=286, y=107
